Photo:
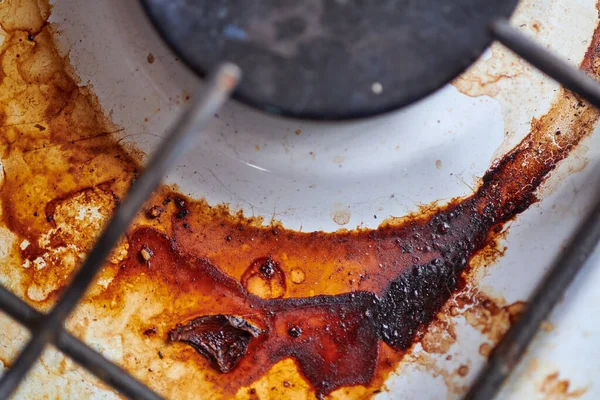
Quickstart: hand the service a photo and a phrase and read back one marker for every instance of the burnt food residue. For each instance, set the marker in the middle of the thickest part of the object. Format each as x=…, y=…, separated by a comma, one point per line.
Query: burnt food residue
x=221, y=293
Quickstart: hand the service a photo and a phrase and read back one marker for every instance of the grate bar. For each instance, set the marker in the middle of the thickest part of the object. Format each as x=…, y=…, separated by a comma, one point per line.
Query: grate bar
x=17, y=309
x=104, y=369
x=94, y=362
x=513, y=345
x=556, y=68
x=219, y=87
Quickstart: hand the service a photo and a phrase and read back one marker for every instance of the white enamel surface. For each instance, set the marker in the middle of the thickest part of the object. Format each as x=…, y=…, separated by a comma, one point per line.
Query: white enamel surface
x=381, y=167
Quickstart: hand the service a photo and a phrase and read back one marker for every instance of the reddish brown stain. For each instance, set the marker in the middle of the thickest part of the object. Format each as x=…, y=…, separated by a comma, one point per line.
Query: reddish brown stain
x=343, y=307
x=440, y=336
x=485, y=349
x=547, y=326
x=554, y=388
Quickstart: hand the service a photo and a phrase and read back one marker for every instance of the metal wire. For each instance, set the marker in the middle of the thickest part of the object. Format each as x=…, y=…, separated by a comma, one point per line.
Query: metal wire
x=17, y=309
x=513, y=345
x=219, y=87
x=94, y=362
x=511, y=348
x=556, y=68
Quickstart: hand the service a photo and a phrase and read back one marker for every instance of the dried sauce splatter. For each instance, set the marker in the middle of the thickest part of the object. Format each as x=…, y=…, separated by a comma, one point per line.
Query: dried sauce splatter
x=554, y=388
x=342, y=307
x=222, y=339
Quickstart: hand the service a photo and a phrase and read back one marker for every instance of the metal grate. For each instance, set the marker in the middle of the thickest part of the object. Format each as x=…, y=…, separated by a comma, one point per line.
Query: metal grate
x=49, y=328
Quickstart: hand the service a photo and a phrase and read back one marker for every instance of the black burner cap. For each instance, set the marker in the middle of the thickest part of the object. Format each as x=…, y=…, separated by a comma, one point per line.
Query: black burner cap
x=331, y=59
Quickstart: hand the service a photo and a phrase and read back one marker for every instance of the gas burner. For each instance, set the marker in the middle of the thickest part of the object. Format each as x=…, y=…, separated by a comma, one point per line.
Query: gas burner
x=331, y=59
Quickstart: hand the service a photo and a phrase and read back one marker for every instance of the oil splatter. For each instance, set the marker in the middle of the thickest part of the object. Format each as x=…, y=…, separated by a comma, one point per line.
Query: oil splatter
x=372, y=293
x=554, y=388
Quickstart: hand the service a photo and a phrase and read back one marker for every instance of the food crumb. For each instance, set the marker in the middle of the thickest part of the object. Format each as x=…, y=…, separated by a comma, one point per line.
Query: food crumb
x=180, y=203
x=181, y=214
x=150, y=331
x=146, y=253
x=154, y=212
x=295, y=331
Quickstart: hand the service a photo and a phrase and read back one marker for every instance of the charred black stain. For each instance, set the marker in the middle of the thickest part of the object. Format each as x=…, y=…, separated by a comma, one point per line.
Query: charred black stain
x=267, y=269
x=295, y=331
x=335, y=340
x=222, y=339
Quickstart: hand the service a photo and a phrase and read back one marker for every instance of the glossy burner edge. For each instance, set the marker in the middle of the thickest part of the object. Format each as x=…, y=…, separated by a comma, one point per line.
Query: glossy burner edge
x=327, y=59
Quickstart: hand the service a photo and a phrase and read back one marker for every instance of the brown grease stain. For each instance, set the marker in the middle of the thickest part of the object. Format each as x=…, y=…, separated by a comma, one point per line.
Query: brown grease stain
x=485, y=349
x=547, y=326
x=360, y=299
x=554, y=388
x=485, y=78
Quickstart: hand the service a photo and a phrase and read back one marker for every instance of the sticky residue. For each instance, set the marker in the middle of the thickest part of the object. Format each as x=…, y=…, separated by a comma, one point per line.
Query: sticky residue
x=306, y=313
x=341, y=214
